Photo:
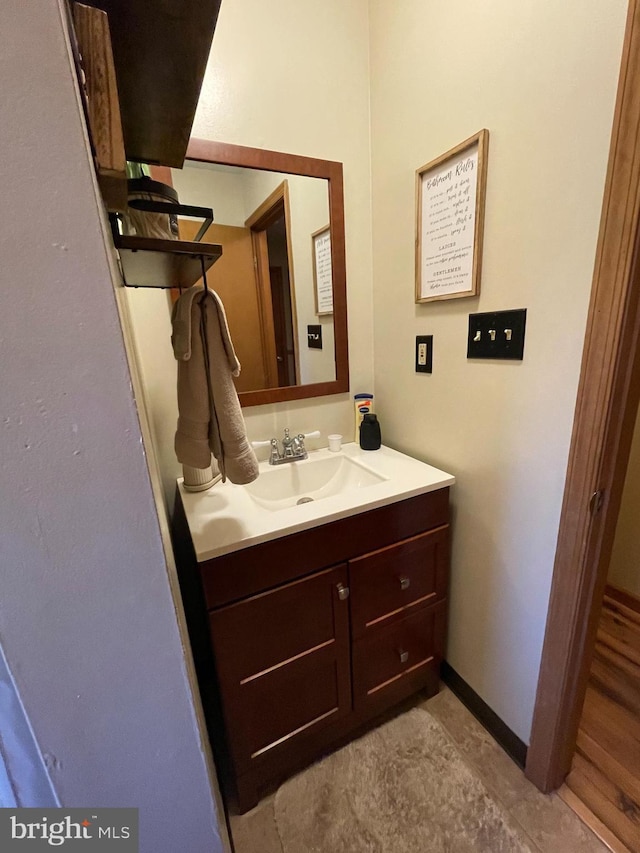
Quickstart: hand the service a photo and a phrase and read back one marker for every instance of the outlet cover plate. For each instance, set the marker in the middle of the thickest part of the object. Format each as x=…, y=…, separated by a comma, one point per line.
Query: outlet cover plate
x=497, y=334
x=425, y=341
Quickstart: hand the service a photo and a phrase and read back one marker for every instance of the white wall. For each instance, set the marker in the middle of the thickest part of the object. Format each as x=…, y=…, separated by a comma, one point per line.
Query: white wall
x=309, y=213
x=205, y=185
x=251, y=97
x=541, y=76
x=624, y=569
x=87, y=621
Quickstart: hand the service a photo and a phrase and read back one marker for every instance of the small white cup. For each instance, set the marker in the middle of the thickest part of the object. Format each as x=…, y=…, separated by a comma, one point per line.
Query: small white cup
x=335, y=442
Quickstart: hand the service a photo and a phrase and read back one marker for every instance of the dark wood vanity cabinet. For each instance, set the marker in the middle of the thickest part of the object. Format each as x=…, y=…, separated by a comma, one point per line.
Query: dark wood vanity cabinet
x=303, y=640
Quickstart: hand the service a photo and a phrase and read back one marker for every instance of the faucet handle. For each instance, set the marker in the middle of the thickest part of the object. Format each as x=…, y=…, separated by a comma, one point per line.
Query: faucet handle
x=265, y=443
x=274, y=455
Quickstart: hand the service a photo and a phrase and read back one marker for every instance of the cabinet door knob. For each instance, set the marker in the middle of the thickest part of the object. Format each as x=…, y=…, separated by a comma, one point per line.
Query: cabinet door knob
x=405, y=582
x=404, y=656
x=343, y=592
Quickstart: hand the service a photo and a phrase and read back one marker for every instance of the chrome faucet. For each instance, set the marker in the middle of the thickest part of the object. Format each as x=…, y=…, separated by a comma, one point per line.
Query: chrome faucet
x=293, y=449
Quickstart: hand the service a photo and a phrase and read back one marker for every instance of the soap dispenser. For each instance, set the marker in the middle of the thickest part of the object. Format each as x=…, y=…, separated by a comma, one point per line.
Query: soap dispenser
x=370, y=437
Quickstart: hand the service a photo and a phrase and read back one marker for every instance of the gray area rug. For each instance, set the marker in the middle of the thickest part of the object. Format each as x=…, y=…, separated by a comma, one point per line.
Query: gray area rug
x=402, y=788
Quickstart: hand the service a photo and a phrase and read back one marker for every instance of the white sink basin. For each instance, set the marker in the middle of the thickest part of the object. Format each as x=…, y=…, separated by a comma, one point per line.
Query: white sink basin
x=227, y=517
x=297, y=483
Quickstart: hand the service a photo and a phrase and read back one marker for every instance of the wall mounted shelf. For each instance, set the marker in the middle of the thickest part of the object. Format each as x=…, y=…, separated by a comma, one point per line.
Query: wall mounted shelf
x=160, y=52
x=149, y=262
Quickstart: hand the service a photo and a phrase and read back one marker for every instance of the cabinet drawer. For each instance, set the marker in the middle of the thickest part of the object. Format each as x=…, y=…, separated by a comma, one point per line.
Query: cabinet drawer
x=396, y=653
x=262, y=631
x=389, y=583
x=282, y=660
x=293, y=700
x=234, y=576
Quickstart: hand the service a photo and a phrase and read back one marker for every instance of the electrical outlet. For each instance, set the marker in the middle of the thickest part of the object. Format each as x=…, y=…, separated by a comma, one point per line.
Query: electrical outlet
x=424, y=353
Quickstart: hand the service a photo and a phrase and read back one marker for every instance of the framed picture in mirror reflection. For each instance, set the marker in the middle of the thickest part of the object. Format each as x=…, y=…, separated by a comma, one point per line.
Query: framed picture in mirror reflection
x=322, y=278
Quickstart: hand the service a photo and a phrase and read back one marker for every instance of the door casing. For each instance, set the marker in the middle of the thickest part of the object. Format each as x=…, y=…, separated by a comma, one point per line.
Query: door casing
x=607, y=402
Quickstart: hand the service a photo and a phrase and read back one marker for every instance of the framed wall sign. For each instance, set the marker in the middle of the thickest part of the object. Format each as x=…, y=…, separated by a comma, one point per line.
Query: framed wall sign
x=322, y=280
x=450, y=194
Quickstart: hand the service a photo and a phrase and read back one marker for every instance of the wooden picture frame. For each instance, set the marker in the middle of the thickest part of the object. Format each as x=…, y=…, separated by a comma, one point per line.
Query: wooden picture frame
x=450, y=201
x=322, y=277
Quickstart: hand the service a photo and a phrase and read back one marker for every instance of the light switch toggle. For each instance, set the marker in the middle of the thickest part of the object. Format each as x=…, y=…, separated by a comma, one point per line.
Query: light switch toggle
x=492, y=334
x=478, y=336
x=508, y=333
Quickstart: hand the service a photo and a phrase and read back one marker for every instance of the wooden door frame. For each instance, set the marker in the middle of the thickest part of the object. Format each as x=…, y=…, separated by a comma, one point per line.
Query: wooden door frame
x=608, y=396
x=258, y=222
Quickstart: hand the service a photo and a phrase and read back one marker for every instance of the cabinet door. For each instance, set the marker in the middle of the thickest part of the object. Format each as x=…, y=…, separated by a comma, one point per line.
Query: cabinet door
x=389, y=584
x=282, y=659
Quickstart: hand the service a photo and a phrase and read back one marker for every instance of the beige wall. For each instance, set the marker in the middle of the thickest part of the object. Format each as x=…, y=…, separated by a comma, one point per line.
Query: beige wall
x=542, y=78
x=201, y=184
x=251, y=96
x=293, y=76
x=624, y=570
x=87, y=620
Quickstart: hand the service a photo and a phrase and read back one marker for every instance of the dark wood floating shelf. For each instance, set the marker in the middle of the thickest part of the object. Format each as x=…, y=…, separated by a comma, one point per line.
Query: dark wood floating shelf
x=160, y=54
x=149, y=262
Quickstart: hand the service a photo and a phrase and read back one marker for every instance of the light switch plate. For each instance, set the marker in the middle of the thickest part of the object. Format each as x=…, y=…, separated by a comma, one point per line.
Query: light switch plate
x=424, y=353
x=314, y=337
x=497, y=334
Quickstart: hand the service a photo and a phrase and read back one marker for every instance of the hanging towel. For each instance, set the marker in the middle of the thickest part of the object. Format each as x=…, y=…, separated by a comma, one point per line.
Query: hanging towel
x=209, y=415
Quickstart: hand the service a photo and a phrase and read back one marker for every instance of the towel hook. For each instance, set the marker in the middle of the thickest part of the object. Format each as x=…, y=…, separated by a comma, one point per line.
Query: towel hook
x=204, y=274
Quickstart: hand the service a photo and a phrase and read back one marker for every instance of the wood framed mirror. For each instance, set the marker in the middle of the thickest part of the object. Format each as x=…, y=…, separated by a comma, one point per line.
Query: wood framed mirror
x=283, y=288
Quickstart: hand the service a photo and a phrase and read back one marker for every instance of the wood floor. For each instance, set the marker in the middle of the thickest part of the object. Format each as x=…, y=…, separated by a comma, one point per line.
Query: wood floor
x=605, y=773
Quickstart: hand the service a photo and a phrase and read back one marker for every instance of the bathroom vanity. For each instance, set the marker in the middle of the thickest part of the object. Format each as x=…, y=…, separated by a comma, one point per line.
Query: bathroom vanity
x=304, y=633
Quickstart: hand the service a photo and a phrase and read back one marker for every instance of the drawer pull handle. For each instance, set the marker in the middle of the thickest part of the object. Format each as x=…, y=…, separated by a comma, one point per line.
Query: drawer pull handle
x=405, y=582
x=343, y=592
x=404, y=656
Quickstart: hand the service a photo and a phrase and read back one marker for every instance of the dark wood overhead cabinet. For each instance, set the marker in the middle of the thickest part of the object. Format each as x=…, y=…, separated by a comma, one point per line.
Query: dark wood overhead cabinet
x=160, y=51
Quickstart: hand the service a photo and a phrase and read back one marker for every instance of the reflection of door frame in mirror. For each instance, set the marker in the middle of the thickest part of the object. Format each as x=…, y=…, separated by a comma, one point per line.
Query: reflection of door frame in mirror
x=205, y=151
x=261, y=218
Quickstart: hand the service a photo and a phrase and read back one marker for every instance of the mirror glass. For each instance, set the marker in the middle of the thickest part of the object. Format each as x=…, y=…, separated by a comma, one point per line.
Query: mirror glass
x=274, y=230
x=279, y=220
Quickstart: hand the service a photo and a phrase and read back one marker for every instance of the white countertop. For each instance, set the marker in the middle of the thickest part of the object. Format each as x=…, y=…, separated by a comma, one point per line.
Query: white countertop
x=225, y=518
